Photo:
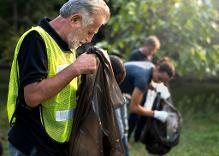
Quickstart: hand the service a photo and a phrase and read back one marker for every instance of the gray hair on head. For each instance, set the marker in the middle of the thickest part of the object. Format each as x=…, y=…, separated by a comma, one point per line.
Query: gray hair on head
x=87, y=8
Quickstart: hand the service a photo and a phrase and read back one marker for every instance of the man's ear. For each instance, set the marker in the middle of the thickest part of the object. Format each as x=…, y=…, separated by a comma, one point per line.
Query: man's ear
x=76, y=20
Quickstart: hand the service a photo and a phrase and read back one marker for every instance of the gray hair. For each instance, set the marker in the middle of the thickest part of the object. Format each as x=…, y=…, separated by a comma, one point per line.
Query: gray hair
x=87, y=8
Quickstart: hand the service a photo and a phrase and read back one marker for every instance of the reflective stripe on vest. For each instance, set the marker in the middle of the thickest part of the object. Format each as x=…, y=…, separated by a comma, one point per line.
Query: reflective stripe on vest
x=57, y=112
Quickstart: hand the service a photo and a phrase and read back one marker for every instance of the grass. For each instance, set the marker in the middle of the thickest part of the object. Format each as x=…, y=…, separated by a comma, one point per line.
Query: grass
x=199, y=106
x=199, y=137
x=198, y=103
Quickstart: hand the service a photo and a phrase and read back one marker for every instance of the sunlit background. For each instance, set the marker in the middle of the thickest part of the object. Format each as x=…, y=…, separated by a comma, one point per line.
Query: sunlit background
x=189, y=34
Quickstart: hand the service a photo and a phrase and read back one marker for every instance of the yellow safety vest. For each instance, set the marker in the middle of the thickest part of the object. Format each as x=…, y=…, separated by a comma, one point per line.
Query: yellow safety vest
x=57, y=112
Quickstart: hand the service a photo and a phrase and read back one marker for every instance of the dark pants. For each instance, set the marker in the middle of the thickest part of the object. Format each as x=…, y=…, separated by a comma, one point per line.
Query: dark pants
x=136, y=125
x=132, y=121
x=15, y=152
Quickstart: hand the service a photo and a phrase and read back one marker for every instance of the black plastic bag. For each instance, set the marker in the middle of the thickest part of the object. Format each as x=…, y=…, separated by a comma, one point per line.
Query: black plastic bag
x=160, y=137
x=95, y=131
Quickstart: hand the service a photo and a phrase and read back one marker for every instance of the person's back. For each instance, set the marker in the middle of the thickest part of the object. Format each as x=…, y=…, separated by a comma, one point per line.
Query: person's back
x=138, y=74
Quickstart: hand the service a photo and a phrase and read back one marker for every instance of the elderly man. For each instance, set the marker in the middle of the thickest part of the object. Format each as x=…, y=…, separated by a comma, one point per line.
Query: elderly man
x=43, y=80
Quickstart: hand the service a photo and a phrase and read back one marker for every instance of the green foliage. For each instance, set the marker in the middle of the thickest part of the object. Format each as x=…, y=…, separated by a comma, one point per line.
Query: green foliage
x=18, y=16
x=198, y=103
x=187, y=30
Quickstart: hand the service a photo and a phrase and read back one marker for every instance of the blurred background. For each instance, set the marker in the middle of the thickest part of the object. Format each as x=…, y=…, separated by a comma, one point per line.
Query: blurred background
x=189, y=33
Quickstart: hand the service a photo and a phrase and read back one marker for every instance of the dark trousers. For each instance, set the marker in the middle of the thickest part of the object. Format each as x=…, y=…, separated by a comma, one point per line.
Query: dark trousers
x=136, y=125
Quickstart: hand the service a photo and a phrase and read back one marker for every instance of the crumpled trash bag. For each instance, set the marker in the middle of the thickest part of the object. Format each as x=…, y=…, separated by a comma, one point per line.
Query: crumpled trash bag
x=159, y=138
x=95, y=130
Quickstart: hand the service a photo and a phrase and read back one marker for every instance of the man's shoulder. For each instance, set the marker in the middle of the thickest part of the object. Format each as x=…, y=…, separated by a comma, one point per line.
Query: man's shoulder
x=31, y=40
x=136, y=55
x=137, y=50
x=34, y=35
x=140, y=64
x=31, y=37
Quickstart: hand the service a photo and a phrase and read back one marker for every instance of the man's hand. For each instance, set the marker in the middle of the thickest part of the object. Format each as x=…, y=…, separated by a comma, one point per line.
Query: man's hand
x=37, y=92
x=161, y=115
x=86, y=64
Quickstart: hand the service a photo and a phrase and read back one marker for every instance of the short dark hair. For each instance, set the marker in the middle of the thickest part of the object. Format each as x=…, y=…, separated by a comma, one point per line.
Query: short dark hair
x=165, y=65
x=118, y=68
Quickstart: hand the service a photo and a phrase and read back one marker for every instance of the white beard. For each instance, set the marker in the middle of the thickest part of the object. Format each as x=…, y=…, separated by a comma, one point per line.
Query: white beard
x=73, y=41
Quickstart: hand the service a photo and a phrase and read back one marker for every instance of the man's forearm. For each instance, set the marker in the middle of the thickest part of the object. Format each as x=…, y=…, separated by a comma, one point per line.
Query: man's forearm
x=38, y=92
x=138, y=109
